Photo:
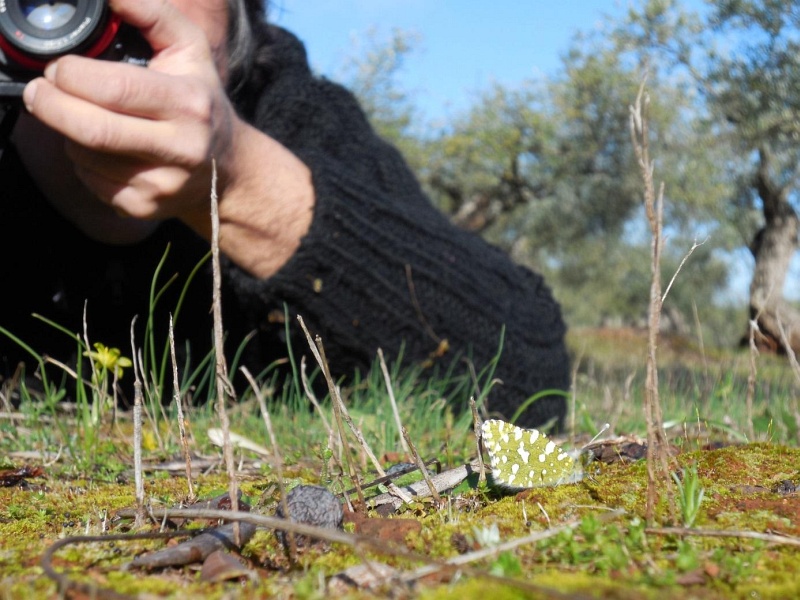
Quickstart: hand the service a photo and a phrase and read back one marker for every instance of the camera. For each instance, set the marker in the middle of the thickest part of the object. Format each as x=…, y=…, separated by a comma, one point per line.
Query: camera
x=34, y=32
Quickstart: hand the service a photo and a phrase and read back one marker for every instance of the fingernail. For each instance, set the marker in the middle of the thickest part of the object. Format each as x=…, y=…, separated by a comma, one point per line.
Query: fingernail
x=50, y=71
x=29, y=93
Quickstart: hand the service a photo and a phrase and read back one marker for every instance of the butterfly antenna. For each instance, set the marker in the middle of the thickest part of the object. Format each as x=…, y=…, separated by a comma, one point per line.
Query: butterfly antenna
x=603, y=429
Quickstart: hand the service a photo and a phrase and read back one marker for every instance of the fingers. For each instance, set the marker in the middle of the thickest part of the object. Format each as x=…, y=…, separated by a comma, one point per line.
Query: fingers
x=125, y=108
x=133, y=187
x=179, y=138
x=160, y=22
x=141, y=138
x=140, y=201
x=126, y=88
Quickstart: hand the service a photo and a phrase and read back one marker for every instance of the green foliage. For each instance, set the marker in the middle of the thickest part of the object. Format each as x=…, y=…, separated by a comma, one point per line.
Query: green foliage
x=371, y=73
x=740, y=61
x=699, y=391
x=595, y=546
x=156, y=361
x=544, y=167
x=537, y=396
x=506, y=565
x=93, y=399
x=690, y=494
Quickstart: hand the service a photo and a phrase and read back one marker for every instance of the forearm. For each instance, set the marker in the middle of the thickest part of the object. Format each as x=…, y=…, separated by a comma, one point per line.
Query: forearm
x=378, y=272
x=266, y=203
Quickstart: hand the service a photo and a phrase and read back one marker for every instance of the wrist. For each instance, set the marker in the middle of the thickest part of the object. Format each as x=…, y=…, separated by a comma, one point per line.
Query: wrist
x=266, y=201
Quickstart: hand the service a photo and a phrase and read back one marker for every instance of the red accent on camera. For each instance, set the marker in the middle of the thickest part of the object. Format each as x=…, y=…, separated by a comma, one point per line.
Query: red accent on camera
x=104, y=41
x=32, y=64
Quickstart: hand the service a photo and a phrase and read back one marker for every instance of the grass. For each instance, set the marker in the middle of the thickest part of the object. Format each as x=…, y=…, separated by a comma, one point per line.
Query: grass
x=697, y=391
x=703, y=398
x=699, y=396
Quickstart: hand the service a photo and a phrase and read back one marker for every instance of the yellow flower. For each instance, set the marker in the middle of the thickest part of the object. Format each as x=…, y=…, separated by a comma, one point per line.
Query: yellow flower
x=109, y=359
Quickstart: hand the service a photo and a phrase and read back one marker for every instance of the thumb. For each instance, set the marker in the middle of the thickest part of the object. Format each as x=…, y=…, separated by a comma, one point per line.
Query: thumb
x=160, y=22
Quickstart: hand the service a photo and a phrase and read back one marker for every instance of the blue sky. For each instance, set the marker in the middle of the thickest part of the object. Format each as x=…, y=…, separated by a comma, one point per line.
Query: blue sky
x=464, y=45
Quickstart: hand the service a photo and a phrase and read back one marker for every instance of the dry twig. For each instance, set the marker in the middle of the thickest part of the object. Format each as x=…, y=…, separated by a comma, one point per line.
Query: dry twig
x=421, y=466
x=176, y=396
x=455, y=565
x=658, y=457
x=751, y=377
x=751, y=535
x=224, y=387
x=476, y=427
x=137, y=432
x=795, y=369
x=312, y=398
x=277, y=454
x=392, y=400
x=340, y=410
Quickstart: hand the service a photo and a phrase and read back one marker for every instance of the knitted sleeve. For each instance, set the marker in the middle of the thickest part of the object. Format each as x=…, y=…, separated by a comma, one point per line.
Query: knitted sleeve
x=381, y=267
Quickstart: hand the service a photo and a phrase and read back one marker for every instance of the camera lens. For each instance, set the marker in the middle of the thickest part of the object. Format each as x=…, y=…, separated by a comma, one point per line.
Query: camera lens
x=41, y=31
x=48, y=15
x=35, y=32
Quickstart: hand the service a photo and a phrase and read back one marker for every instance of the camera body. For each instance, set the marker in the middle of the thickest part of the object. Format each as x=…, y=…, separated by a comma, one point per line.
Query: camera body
x=35, y=32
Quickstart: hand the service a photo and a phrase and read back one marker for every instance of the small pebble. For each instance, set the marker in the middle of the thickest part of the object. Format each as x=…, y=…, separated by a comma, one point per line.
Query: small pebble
x=400, y=469
x=312, y=505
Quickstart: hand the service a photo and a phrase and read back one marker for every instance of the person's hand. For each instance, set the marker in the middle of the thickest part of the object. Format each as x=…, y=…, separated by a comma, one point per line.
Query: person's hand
x=142, y=139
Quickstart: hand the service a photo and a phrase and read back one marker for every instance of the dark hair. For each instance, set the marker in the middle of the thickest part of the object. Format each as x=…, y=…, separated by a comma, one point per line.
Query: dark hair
x=244, y=16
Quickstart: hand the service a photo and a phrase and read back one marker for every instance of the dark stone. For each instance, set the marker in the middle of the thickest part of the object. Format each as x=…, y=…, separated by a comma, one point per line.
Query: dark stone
x=312, y=505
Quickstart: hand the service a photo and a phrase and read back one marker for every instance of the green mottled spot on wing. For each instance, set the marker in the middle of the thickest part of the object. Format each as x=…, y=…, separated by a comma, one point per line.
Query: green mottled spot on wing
x=525, y=458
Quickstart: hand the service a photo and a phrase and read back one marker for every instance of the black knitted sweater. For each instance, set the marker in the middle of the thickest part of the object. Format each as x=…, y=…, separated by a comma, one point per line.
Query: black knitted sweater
x=379, y=268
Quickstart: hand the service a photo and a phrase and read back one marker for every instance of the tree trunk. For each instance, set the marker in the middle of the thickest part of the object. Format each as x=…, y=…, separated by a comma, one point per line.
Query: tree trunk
x=773, y=248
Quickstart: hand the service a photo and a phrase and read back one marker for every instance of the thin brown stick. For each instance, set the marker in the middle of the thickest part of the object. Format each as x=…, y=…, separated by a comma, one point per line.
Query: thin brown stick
x=65, y=584
x=686, y=256
x=752, y=535
x=445, y=480
x=317, y=350
x=790, y=353
x=95, y=379
x=700, y=340
x=658, y=457
x=392, y=401
x=340, y=410
x=138, y=476
x=343, y=412
x=476, y=427
x=224, y=387
x=357, y=542
x=312, y=398
x=751, y=379
x=176, y=396
x=493, y=551
x=276, y=453
x=421, y=465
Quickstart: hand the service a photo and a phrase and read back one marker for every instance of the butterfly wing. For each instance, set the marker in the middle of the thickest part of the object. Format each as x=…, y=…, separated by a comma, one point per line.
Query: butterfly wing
x=525, y=458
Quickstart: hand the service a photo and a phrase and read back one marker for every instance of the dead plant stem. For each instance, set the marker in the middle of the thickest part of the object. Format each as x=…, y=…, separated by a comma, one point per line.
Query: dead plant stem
x=224, y=387
x=138, y=476
x=658, y=457
x=392, y=401
x=176, y=396
x=276, y=454
x=421, y=465
x=476, y=427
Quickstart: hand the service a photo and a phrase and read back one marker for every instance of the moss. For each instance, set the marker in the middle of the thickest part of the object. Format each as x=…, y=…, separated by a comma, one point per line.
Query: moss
x=609, y=558
x=474, y=589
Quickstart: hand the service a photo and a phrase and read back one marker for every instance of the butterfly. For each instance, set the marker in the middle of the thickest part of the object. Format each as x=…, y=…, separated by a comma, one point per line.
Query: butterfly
x=525, y=458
